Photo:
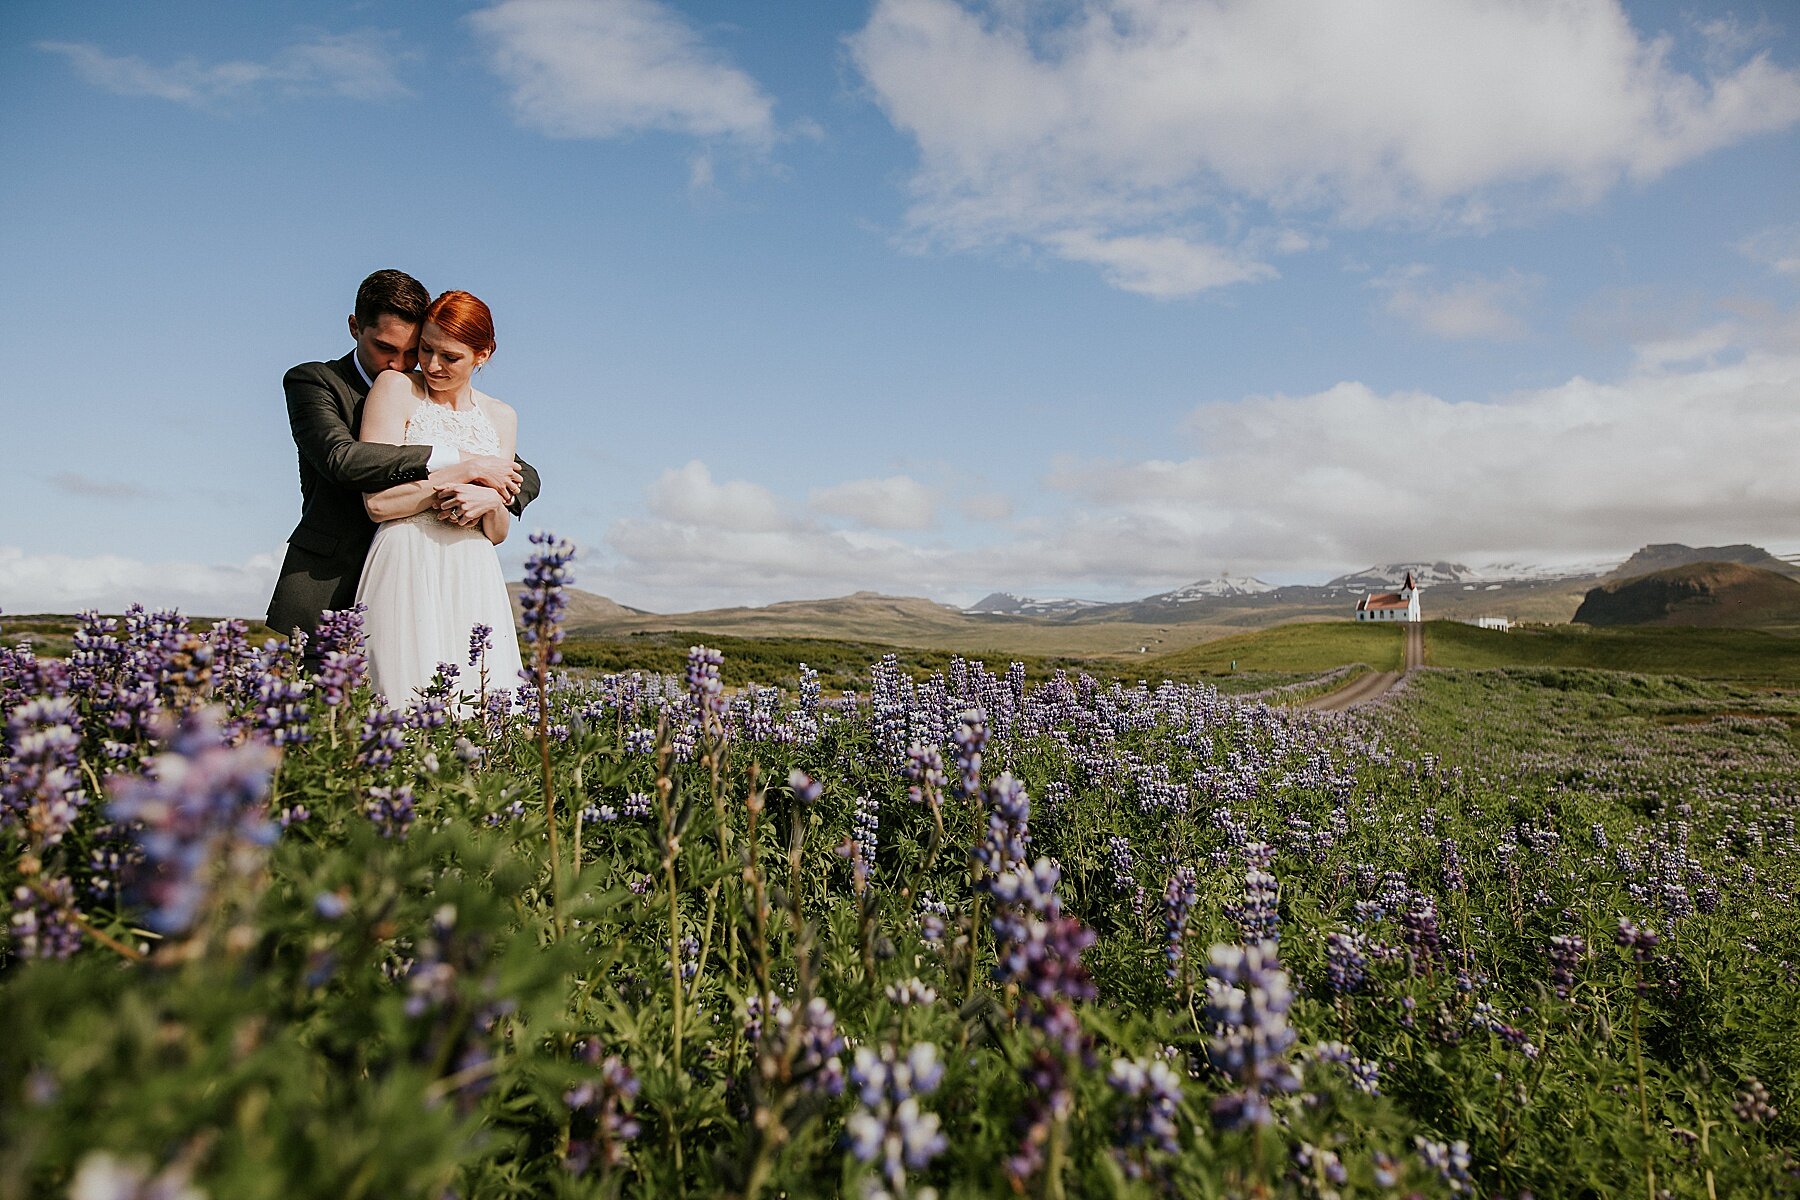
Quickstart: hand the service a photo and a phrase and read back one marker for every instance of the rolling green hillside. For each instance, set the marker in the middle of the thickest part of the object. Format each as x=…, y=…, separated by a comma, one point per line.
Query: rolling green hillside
x=1312, y=646
x=1749, y=655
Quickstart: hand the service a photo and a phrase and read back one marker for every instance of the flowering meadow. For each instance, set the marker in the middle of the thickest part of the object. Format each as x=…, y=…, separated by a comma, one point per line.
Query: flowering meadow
x=963, y=934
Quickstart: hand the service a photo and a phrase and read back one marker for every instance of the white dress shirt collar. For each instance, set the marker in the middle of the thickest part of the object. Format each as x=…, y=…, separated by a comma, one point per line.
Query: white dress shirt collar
x=357, y=359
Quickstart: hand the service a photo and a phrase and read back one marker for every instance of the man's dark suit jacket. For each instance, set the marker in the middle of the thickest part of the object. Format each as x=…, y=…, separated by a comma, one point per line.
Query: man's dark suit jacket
x=326, y=550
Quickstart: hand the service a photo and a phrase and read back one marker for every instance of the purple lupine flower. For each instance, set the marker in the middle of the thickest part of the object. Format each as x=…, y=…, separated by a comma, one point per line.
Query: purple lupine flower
x=201, y=803
x=818, y=1066
x=1008, y=833
x=1450, y=1160
x=542, y=602
x=391, y=810
x=1365, y=1076
x=1178, y=905
x=1150, y=1093
x=40, y=786
x=911, y=993
x=934, y=916
x=1039, y=949
x=705, y=689
x=971, y=738
x=1752, y=1105
x=44, y=919
x=865, y=831
x=481, y=640
x=1346, y=966
x=806, y=789
x=1258, y=916
x=1566, y=954
x=343, y=661
x=1124, y=864
x=1247, y=1001
x=925, y=774
x=1641, y=942
x=1450, y=855
x=1315, y=1160
x=104, y=1176
x=382, y=737
x=280, y=709
x=889, y=1128
x=600, y=1116
x=1419, y=929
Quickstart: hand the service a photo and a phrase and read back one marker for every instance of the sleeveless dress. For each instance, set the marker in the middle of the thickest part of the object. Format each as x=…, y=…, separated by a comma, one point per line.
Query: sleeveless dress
x=427, y=582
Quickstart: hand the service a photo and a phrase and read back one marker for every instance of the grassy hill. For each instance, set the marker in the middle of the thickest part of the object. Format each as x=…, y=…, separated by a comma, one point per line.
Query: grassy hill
x=1300, y=648
x=1749, y=655
x=1707, y=594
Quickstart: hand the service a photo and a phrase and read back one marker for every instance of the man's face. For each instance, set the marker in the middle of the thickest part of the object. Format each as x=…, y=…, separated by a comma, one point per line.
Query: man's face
x=387, y=344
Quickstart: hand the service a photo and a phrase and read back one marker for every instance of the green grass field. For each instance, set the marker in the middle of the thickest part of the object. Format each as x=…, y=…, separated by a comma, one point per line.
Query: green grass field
x=1749, y=655
x=1307, y=647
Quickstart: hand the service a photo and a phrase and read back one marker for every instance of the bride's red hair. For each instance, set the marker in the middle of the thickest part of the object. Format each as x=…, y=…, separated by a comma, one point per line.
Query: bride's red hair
x=465, y=318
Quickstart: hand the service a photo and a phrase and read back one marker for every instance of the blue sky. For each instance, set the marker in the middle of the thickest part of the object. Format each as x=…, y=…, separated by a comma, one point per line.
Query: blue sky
x=932, y=297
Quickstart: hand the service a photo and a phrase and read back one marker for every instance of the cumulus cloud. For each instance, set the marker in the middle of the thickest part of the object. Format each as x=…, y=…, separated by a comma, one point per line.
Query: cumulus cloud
x=352, y=66
x=1460, y=309
x=1118, y=133
x=689, y=495
x=897, y=502
x=65, y=583
x=609, y=68
x=1351, y=475
x=1691, y=444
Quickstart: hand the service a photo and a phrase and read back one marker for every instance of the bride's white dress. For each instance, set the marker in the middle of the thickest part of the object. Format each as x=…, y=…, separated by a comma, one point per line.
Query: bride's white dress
x=428, y=583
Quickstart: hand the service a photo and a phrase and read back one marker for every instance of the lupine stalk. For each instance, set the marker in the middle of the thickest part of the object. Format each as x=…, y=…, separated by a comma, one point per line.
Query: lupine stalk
x=541, y=604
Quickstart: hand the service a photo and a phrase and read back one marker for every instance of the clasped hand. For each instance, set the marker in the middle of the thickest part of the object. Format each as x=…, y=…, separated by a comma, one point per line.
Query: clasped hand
x=500, y=474
x=466, y=503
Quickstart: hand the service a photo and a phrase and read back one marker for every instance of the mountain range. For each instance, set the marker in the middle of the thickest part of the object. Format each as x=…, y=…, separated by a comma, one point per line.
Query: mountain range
x=1005, y=622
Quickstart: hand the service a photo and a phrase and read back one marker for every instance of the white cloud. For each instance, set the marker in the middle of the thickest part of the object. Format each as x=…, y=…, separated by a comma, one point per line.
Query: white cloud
x=66, y=583
x=688, y=495
x=353, y=66
x=1132, y=124
x=1691, y=445
x=897, y=502
x=1461, y=309
x=1777, y=248
x=1165, y=265
x=1350, y=475
x=608, y=68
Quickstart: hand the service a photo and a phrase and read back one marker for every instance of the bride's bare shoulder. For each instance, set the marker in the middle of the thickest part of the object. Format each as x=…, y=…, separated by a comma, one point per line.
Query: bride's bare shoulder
x=498, y=411
x=393, y=386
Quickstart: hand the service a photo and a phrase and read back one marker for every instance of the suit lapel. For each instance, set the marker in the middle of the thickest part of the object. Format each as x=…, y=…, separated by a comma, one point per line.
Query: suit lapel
x=354, y=393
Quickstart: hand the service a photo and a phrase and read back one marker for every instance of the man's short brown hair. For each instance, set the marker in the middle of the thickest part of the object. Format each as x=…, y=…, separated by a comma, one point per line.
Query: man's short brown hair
x=393, y=292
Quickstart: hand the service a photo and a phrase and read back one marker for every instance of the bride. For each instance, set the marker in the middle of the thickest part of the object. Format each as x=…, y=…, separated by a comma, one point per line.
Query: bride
x=432, y=573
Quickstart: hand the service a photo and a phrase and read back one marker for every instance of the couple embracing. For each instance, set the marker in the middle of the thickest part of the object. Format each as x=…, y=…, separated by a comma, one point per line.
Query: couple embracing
x=409, y=478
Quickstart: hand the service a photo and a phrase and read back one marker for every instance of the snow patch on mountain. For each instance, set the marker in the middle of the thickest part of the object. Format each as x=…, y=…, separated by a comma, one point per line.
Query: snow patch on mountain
x=1005, y=604
x=1212, y=589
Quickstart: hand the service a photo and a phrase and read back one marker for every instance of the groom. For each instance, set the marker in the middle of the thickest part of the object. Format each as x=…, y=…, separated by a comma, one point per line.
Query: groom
x=325, y=402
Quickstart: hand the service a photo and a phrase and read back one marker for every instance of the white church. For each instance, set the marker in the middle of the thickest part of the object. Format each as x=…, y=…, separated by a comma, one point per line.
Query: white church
x=1402, y=605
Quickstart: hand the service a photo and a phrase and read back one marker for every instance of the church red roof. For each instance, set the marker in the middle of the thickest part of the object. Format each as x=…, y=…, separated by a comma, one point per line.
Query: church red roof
x=1381, y=600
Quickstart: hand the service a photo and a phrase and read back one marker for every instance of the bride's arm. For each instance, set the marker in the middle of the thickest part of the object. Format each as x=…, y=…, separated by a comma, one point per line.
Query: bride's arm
x=384, y=421
x=498, y=523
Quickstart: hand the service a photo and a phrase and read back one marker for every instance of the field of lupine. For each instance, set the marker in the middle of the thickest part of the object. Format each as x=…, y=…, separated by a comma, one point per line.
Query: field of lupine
x=1507, y=934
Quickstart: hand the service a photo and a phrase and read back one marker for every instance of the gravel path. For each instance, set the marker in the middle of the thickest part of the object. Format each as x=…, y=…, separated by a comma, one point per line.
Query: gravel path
x=1369, y=687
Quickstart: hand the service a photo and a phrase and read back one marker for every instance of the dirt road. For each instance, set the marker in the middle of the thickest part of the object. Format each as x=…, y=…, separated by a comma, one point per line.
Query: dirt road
x=1368, y=687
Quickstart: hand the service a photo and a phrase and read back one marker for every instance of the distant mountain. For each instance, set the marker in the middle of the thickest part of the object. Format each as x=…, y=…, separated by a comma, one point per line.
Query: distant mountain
x=583, y=608
x=1212, y=589
x=1661, y=557
x=1005, y=604
x=1712, y=594
x=1392, y=575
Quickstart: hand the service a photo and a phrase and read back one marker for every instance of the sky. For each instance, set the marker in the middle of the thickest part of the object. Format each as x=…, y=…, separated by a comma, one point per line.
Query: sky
x=924, y=297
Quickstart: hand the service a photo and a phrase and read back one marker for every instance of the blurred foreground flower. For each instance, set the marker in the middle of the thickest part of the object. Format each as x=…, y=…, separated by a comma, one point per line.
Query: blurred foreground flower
x=200, y=810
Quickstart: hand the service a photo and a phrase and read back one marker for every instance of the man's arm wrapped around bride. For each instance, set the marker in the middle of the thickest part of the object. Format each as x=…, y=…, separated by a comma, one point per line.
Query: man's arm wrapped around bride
x=397, y=399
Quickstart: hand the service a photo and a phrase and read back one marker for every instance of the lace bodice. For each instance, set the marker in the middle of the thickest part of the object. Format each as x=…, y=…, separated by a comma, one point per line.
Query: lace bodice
x=433, y=424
